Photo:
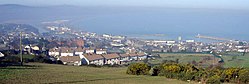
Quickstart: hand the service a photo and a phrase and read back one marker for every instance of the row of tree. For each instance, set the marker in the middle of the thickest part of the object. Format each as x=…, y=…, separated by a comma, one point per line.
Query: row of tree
x=187, y=72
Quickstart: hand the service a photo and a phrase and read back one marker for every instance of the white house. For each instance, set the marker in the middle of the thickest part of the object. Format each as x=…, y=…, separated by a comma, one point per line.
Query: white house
x=111, y=59
x=54, y=52
x=89, y=51
x=101, y=51
x=124, y=58
x=1, y=54
x=65, y=51
x=141, y=56
x=133, y=56
x=79, y=51
x=71, y=60
x=92, y=59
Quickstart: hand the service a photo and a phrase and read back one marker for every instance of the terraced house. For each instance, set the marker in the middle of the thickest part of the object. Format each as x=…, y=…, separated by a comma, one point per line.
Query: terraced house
x=92, y=59
x=111, y=59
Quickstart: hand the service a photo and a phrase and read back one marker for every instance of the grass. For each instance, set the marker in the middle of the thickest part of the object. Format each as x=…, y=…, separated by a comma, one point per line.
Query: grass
x=183, y=58
x=182, y=54
x=236, y=61
x=59, y=74
x=26, y=56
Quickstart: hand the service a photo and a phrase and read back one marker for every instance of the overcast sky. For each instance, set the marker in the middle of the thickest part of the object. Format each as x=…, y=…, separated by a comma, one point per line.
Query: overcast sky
x=223, y=4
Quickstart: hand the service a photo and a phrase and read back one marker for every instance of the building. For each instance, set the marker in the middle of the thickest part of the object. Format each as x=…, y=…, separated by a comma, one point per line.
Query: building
x=133, y=56
x=101, y=51
x=89, y=51
x=141, y=56
x=54, y=52
x=92, y=59
x=65, y=51
x=79, y=42
x=111, y=59
x=71, y=60
x=79, y=51
x=1, y=54
x=124, y=58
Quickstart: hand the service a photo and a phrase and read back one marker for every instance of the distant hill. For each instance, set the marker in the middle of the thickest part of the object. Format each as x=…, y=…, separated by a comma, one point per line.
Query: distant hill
x=13, y=6
x=11, y=27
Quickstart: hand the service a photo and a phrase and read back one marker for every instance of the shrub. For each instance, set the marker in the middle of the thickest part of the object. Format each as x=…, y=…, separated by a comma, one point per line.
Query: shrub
x=155, y=71
x=11, y=59
x=214, y=80
x=244, y=76
x=138, y=69
x=230, y=74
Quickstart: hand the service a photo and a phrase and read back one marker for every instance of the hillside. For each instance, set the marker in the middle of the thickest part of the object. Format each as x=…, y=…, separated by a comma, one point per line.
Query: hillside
x=8, y=28
x=50, y=73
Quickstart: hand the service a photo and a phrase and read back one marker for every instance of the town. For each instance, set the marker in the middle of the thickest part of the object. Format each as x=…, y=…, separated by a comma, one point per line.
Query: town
x=73, y=47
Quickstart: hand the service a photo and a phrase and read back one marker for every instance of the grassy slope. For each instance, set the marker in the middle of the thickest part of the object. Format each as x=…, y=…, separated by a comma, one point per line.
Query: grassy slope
x=49, y=73
x=183, y=58
x=240, y=61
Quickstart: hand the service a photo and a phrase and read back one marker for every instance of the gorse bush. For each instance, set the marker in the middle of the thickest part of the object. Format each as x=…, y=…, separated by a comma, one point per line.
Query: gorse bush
x=138, y=69
x=214, y=75
x=244, y=76
x=213, y=80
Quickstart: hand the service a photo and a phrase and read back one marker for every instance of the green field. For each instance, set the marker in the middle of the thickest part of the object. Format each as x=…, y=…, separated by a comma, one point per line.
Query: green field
x=51, y=73
x=236, y=61
x=183, y=58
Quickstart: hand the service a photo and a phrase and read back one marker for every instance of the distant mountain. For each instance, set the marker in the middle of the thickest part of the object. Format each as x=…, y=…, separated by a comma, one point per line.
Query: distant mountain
x=8, y=28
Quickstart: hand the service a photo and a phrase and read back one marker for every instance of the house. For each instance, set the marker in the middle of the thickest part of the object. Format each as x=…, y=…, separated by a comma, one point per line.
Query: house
x=101, y=51
x=79, y=51
x=89, y=51
x=124, y=58
x=54, y=52
x=92, y=59
x=111, y=59
x=71, y=60
x=141, y=56
x=27, y=49
x=133, y=56
x=65, y=51
x=1, y=54
x=35, y=50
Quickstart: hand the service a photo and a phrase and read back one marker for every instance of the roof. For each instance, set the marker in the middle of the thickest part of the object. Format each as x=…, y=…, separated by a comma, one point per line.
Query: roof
x=124, y=55
x=35, y=48
x=133, y=54
x=79, y=49
x=66, y=49
x=1, y=54
x=141, y=54
x=100, y=49
x=110, y=56
x=93, y=57
x=54, y=50
x=70, y=58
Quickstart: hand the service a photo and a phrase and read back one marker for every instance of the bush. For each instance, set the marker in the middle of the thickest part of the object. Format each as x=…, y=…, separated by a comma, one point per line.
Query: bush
x=244, y=76
x=214, y=80
x=155, y=71
x=138, y=69
x=214, y=75
x=11, y=59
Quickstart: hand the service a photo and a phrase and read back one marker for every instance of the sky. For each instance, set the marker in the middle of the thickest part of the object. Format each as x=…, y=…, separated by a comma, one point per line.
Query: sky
x=220, y=4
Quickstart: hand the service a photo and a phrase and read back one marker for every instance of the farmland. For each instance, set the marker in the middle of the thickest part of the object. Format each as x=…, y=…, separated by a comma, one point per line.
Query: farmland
x=236, y=60
x=51, y=73
x=185, y=58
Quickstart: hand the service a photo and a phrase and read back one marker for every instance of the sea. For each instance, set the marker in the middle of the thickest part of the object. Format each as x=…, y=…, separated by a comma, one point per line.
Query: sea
x=169, y=23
